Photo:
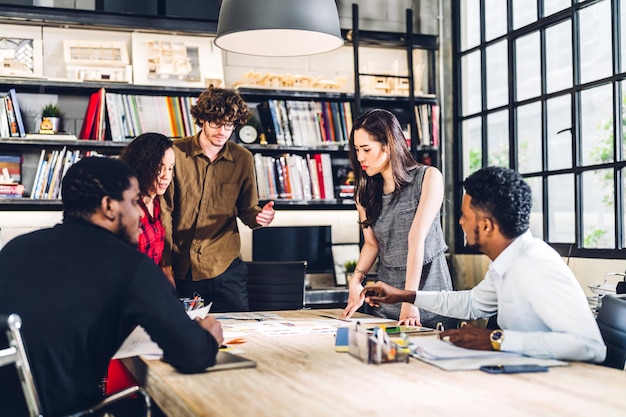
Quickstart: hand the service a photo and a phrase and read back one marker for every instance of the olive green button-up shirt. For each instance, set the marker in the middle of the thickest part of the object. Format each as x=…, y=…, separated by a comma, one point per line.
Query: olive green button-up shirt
x=201, y=207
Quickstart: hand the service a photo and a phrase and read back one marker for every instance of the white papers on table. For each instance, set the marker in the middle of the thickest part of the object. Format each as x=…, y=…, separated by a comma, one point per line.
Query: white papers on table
x=449, y=357
x=139, y=342
x=432, y=348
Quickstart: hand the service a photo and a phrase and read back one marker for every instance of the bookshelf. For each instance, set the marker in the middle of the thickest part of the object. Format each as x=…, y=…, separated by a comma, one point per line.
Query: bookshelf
x=410, y=96
x=306, y=132
x=75, y=96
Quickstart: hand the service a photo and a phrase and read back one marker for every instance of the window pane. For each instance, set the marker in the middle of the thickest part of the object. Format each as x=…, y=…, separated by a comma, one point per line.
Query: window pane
x=559, y=57
x=562, y=225
x=524, y=12
x=559, y=132
x=470, y=73
x=598, y=214
x=470, y=24
x=495, y=19
x=595, y=41
x=597, y=125
x=536, y=214
x=529, y=138
x=623, y=133
x=497, y=75
x=472, y=146
x=622, y=20
x=498, y=139
x=527, y=61
x=624, y=204
x=553, y=6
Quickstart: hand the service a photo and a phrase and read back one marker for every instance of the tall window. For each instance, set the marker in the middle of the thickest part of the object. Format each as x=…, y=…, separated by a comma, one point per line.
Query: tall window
x=539, y=85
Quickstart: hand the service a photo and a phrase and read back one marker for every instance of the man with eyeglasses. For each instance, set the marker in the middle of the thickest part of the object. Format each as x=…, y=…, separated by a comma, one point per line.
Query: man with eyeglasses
x=214, y=183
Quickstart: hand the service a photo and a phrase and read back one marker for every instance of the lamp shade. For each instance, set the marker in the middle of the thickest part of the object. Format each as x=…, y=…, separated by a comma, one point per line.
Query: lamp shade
x=278, y=27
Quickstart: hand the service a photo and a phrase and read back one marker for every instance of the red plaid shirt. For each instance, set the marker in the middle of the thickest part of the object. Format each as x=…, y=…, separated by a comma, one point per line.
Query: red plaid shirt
x=152, y=238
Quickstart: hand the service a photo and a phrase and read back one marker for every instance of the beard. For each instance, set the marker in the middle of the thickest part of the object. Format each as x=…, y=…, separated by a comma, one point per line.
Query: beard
x=124, y=234
x=476, y=244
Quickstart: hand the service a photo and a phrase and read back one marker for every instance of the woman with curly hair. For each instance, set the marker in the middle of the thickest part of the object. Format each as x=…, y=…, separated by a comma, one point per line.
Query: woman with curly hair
x=151, y=155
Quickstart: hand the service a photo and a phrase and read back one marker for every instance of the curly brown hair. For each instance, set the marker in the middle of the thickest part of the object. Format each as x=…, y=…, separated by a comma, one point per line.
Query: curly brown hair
x=220, y=105
x=145, y=155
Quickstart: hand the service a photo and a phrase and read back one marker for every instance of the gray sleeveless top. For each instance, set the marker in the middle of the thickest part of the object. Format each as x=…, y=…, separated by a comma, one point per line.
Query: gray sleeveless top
x=392, y=227
x=391, y=230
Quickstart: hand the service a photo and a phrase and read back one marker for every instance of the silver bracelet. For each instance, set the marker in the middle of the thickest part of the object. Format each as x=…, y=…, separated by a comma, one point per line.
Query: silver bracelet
x=360, y=271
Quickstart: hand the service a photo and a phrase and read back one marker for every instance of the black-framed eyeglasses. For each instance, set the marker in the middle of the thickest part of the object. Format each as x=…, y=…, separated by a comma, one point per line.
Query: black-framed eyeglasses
x=226, y=126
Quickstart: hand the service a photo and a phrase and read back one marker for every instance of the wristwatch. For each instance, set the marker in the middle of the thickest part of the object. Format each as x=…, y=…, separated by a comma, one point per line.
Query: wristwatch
x=496, y=337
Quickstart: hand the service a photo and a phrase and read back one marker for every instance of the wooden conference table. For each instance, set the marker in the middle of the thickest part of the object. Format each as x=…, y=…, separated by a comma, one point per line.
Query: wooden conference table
x=303, y=375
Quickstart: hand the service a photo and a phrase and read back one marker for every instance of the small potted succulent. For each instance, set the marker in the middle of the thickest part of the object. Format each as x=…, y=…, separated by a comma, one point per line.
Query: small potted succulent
x=50, y=119
x=349, y=267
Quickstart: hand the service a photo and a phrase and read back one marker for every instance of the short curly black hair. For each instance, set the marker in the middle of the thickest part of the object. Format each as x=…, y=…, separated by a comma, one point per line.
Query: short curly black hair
x=220, y=105
x=91, y=179
x=502, y=194
x=145, y=154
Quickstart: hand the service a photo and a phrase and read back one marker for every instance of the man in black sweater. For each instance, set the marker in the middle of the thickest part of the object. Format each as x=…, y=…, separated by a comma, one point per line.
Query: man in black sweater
x=82, y=286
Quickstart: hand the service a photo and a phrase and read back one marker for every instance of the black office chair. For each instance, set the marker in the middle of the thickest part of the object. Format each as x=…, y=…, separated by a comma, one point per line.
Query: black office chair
x=612, y=322
x=276, y=285
x=16, y=354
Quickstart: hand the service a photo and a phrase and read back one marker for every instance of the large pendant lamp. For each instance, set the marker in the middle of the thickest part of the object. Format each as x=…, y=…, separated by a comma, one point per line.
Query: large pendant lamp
x=278, y=27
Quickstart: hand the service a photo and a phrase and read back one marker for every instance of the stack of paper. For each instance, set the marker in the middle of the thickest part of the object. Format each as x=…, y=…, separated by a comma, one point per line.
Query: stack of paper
x=449, y=357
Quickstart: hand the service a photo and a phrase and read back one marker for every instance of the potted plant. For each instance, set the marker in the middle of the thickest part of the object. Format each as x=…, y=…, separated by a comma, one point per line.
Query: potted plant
x=349, y=267
x=50, y=119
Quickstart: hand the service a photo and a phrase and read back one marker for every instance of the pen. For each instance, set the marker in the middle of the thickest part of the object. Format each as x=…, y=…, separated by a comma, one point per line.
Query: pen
x=335, y=318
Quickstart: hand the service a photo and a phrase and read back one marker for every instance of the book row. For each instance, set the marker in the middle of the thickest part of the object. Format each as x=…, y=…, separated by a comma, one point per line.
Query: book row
x=294, y=177
x=305, y=123
x=130, y=115
x=11, y=123
x=427, y=120
x=51, y=169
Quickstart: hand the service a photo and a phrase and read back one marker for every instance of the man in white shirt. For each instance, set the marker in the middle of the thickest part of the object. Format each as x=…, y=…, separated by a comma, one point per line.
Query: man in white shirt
x=542, y=310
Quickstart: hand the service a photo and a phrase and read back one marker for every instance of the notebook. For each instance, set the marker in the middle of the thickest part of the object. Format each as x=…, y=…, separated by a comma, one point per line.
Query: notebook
x=227, y=360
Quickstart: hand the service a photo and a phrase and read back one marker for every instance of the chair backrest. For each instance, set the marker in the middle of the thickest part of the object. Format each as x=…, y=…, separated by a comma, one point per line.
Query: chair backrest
x=15, y=354
x=276, y=285
x=612, y=322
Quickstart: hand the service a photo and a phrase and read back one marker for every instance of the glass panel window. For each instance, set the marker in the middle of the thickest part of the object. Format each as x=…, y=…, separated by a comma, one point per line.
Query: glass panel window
x=528, y=64
x=553, y=6
x=497, y=75
x=598, y=209
x=524, y=12
x=561, y=213
x=623, y=126
x=559, y=132
x=597, y=125
x=498, y=139
x=495, y=19
x=536, y=214
x=529, y=138
x=595, y=41
x=622, y=20
x=472, y=146
x=470, y=70
x=624, y=204
x=559, y=57
x=470, y=24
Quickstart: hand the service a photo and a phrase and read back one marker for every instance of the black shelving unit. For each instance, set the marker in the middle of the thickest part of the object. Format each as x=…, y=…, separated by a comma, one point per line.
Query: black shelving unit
x=402, y=106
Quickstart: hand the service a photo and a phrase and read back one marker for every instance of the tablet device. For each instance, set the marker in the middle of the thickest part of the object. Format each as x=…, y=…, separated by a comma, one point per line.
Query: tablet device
x=227, y=360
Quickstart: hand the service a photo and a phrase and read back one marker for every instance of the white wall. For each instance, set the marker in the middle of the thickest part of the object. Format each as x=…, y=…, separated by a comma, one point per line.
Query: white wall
x=15, y=223
x=469, y=270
